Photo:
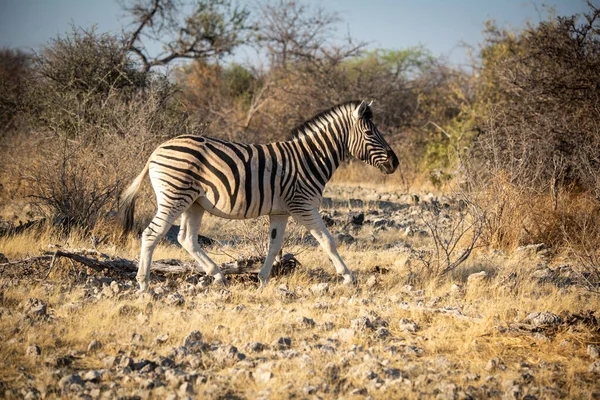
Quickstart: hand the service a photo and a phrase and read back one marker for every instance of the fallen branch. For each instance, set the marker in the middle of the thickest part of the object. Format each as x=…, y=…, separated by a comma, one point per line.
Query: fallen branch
x=102, y=262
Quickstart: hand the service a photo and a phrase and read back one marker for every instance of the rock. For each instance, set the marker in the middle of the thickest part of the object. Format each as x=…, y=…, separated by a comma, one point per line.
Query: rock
x=406, y=325
x=309, y=390
x=531, y=249
x=542, y=273
x=33, y=351
x=283, y=343
x=455, y=289
x=263, y=373
x=356, y=218
x=92, y=376
x=107, y=292
x=382, y=333
x=477, y=278
x=344, y=334
x=593, y=351
x=226, y=353
x=3, y=259
x=345, y=238
x=407, y=289
x=175, y=299
x=68, y=380
x=35, y=308
x=494, y=364
x=361, y=324
x=126, y=362
x=540, y=337
x=306, y=322
x=161, y=339
x=94, y=345
x=110, y=361
x=543, y=319
x=114, y=286
x=319, y=288
x=192, y=338
x=359, y=392
x=137, y=339
x=594, y=367
x=372, y=281
x=255, y=346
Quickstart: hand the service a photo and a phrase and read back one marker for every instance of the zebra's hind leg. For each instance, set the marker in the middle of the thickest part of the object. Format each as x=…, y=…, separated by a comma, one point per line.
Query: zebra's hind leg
x=314, y=224
x=188, y=238
x=158, y=227
x=276, y=232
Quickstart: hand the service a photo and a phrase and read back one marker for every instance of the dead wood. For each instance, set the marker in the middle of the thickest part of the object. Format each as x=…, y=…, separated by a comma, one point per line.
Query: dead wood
x=101, y=262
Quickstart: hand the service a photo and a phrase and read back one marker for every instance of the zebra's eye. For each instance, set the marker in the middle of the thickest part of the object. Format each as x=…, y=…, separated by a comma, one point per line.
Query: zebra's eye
x=369, y=133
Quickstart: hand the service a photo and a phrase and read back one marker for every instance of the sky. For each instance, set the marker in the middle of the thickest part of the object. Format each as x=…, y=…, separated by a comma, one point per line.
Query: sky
x=442, y=26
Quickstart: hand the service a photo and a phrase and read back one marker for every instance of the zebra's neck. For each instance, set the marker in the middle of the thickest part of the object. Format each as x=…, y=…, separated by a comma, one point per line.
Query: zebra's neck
x=324, y=144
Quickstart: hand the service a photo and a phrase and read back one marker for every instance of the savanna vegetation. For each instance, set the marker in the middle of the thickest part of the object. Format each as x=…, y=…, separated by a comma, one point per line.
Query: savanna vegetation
x=492, y=217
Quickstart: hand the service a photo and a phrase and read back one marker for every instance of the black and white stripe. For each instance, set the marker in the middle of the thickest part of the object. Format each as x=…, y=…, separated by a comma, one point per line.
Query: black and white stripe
x=193, y=174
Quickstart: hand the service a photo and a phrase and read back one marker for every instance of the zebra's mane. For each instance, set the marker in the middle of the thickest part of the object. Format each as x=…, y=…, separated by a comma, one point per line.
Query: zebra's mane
x=313, y=124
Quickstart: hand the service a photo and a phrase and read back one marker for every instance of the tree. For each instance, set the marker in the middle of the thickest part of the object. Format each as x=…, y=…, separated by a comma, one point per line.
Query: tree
x=212, y=30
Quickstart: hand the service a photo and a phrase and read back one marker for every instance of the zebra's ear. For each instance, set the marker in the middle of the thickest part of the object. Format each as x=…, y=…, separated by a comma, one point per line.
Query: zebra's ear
x=360, y=110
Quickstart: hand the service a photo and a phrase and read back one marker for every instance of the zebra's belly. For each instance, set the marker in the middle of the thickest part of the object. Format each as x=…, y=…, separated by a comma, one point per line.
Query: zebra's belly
x=239, y=212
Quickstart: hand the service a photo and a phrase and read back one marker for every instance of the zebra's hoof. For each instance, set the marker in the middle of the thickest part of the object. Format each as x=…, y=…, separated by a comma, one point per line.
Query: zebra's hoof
x=264, y=281
x=220, y=280
x=143, y=286
x=349, y=280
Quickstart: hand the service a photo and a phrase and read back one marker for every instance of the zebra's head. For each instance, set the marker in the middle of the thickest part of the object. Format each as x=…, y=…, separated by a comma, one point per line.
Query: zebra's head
x=366, y=142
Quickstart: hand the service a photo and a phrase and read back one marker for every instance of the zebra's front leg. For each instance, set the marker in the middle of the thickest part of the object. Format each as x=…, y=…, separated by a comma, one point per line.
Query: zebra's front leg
x=315, y=225
x=276, y=232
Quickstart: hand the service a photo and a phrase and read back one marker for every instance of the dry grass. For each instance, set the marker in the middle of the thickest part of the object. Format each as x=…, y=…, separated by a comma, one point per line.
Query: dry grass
x=454, y=348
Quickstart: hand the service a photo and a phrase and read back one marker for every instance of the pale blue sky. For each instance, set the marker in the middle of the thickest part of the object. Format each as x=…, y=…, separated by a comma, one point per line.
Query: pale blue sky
x=439, y=25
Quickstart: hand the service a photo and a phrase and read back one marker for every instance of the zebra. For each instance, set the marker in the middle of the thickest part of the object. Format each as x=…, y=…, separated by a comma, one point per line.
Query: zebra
x=192, y=175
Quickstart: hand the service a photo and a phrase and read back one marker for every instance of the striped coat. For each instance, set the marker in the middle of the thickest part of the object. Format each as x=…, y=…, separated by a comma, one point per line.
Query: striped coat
x=194, y=174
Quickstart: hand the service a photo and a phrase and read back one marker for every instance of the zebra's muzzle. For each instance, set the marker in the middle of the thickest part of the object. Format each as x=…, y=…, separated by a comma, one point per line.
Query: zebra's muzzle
x=391, y=164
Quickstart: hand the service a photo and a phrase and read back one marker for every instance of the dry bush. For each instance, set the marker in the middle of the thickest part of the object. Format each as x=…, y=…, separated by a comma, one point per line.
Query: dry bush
x=543, y=85
x=454, y=238
x=13, y=73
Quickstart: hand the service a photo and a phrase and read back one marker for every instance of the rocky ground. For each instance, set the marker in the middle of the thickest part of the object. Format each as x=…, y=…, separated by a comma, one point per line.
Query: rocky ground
x=501, y=325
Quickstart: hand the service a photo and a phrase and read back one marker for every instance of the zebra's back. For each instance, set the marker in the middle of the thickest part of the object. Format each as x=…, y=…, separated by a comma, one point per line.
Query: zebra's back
x=230, y=180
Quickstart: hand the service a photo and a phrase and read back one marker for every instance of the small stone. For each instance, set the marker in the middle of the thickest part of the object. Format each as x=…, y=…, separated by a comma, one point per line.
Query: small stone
x=306, y=322
x=192, y=338
x=94, y=345
x=361, y=324
x=126, y=362
x=359, y=392
x=68, y=380
x=319, y=289
x=594, y=367
x=543, y=319
x=142, y=319
x=228, y=352
x=372, y=281
x=344, y=334
x=36, y=308
x=262, y=376
x=283, y=343
x=175, y=299
x=110, y=361
x=407, y=289
x=492, y=365
x=382, y=333
x=107, y=292
x=477, y=278
x=137, y=339
x=406, y=325
x=542, y=273
x=455, y=289
x=255, y=346
x=220, y=329
x=33, y=351
x=114, y=286
x=160, y=339
x=593, y=351
x=92, y=376
x=540, y=337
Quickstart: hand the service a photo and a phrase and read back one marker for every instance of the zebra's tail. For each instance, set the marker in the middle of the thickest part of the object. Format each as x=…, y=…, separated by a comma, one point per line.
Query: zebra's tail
x=127, y=202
